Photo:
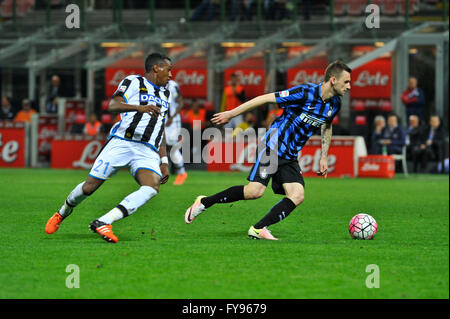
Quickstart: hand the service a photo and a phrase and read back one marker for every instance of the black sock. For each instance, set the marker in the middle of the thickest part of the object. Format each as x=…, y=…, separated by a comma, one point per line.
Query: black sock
x=229, y=195
x=278, y=212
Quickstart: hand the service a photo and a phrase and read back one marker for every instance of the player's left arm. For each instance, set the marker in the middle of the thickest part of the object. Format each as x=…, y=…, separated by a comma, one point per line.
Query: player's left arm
x=326, y=133
x=164, y=160
x=225, y=117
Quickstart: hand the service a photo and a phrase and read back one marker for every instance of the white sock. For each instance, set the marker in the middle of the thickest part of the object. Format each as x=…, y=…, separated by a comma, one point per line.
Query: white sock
x=75, y=197
x=177, y=160
x=129, y=204
x=112, y=216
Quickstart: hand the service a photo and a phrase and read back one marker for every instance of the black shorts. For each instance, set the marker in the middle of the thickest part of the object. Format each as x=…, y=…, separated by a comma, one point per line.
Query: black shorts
x=287, y=171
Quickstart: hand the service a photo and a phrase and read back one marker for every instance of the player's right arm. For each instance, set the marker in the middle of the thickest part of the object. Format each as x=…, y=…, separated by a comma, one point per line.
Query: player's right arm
x=118, y=105
x=225, y=117
x=128, y=88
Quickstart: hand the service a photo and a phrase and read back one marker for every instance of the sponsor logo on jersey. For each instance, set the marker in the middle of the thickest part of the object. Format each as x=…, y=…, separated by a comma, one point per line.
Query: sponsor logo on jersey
x=122, y=88
x=309, y=119
x=151, y=98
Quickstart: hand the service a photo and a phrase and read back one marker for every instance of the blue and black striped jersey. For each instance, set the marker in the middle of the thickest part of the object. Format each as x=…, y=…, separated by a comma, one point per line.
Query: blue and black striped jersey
x=304, y=112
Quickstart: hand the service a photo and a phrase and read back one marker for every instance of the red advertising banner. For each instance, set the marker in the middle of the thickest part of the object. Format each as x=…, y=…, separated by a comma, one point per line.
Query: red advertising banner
x=74, y=109
x=252, y=79
x=193, y=82
x=251, y=71
x=47, y=129
x=297, y=76
x=342, y=156
x=114, y=75
x=75, y=151
x=12, y=144
x=372, y=80
x=191, y=74
x=308, y=71
x=376, y=166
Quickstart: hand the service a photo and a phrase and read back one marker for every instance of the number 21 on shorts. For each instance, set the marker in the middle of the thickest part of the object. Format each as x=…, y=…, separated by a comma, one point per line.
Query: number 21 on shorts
x=99, y=164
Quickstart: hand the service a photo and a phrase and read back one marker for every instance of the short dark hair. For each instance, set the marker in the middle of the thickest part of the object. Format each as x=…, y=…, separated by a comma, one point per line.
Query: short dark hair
x=335, y=69
x=393, y=114
x=154, y=58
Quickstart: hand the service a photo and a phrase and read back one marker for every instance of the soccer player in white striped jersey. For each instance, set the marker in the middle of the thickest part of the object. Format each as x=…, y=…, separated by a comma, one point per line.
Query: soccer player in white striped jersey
x=172, y=130
x=137, y=141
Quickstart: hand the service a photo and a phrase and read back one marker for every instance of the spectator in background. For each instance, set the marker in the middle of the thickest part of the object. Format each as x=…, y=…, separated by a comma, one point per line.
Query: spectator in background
x=375, y=146
x=196, y=113
x=208, y=6
x=393, y=136
x=93, y=126
x=233, y=96
x=414, y=99
x=24, y=115
x=281, y=12
x=90, y=5
x=414, y=139
x=246, y=9
x=7, y=112
x=54, y=93
x=249, y=122
x=433, y=140
x=273, y=113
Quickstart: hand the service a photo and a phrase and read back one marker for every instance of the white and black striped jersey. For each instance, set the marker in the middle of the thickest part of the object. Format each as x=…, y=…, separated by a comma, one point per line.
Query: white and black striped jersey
x=136, y=126
x=174, y=89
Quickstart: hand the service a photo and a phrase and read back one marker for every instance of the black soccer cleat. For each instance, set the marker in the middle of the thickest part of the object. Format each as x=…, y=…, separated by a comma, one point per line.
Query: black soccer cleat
x=104, y=230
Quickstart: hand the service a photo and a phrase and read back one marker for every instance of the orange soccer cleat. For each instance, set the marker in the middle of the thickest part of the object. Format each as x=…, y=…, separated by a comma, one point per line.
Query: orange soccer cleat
x=53, y=223
x=181, y=178
x=104, y=230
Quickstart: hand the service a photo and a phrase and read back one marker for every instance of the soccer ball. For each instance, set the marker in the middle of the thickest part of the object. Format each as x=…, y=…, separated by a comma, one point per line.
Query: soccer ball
x=363, y=226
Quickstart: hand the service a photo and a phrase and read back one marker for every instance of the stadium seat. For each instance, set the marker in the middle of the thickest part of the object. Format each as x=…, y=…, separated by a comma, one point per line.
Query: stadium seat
x=335, y=120
x=106, y=118
x=209, y=106
x=6, y=9
x=105, y=105
x=389, y=7
x=80, y=118
x=402, y=157
x=402, y=6
x=386, y=106
x=360, y=120
x=356, y=7
x=358, y=105
x=340, y=7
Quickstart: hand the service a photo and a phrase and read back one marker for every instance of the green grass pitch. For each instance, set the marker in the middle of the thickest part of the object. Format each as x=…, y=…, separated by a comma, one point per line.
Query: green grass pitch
x=159, y=256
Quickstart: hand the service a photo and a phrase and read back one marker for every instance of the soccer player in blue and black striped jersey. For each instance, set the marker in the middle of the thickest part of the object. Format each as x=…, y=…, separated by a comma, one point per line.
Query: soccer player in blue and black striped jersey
x=307, y=108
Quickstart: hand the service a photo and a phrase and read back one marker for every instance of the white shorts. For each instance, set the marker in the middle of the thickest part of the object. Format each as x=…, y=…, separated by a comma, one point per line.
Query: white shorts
x=118, y=153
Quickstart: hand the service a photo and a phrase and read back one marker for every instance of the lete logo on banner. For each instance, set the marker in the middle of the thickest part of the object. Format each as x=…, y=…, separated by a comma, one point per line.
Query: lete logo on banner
x=372, y=80
x=296, y=77
x=192, y=82
x=113, y=76
x=12, y=147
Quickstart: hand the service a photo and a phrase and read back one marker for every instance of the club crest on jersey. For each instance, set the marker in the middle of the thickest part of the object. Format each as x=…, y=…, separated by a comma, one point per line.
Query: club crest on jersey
x=151, y=98
x=329, y=112
x=284, y=93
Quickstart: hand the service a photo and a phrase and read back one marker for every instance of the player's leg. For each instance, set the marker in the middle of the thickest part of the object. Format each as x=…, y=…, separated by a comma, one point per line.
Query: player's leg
x=145, y=168
x=177, y=161
x=75, y=197
x=252, y=190
x=288, y=181
x=294, y=197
